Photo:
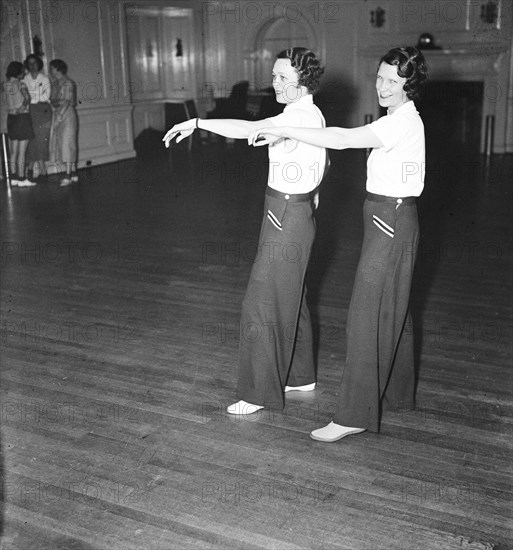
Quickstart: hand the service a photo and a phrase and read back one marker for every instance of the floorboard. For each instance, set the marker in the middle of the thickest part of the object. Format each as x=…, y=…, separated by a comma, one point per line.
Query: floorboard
x=120, y=304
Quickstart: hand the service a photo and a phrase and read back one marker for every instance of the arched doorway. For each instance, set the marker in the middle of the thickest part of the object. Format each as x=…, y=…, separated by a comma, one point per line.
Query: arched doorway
x=273, y=37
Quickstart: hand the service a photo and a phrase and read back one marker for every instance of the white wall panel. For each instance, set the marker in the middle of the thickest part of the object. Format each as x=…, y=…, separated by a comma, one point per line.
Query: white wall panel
x=220, y=47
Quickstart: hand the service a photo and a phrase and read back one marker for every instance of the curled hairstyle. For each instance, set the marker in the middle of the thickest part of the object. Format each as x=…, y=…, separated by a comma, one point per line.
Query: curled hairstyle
x=14, y=69
x=306, y=64
x=411, y=65
x=39, y=61
x=59, y=65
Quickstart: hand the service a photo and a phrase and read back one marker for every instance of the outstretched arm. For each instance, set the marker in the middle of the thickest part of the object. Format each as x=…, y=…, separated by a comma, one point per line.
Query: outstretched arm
x=331, y=138
x=229, y=127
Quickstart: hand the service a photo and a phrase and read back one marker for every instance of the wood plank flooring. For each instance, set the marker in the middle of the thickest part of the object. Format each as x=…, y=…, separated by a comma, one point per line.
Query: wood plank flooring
x=120, y=306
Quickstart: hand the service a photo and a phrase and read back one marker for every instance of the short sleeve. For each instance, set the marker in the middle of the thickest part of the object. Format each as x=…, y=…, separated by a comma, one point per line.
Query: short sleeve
x=390, y=130
x=287, y=118
x=3, y=110
x=46, y=90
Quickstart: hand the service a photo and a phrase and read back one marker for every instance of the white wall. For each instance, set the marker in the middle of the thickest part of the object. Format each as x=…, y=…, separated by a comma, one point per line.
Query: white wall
x=160, y=68
x=122, y=54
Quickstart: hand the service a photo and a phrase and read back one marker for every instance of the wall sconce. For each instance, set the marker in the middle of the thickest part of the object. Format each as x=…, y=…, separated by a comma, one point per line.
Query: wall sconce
x=37, y=46
x=489, y=12
x=377, y=17
x=149, y=48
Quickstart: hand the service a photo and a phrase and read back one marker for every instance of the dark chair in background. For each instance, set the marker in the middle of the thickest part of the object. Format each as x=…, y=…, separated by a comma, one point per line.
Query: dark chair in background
x=268, y=105
x=234, y=106
x=243, y=105
x=148, y=143
x=179, y=111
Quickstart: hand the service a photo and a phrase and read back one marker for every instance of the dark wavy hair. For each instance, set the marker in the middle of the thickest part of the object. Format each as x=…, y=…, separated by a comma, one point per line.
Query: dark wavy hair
x=59, y=65
x=411, y=65
x=39, y=61
x=306, y=64
x=14, y=69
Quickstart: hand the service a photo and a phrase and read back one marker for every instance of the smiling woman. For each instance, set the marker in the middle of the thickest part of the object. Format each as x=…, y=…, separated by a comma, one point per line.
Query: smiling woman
x=400, y=79
x=390, y=87
x=275, y=298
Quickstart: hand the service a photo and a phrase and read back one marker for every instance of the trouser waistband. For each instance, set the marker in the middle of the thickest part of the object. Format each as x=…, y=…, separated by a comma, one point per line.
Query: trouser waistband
x=393, y=200
x=291, y=197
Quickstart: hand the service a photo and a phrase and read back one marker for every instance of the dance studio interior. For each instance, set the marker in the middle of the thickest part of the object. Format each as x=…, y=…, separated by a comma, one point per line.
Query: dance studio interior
x=122, y=291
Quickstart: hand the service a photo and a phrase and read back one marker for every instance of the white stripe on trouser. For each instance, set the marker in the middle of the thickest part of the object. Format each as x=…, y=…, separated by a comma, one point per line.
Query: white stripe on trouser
x=383, y=226
x=274, y=220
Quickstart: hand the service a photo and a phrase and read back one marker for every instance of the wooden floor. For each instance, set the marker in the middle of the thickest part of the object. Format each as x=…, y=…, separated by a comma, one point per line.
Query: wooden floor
x=120, y=307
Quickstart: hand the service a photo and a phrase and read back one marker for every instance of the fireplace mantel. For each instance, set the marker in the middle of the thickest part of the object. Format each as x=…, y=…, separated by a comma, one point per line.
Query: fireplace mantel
x=463, y=62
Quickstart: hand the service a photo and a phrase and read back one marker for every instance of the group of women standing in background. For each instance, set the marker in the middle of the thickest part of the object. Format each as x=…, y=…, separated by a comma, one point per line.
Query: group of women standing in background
x=42, y=122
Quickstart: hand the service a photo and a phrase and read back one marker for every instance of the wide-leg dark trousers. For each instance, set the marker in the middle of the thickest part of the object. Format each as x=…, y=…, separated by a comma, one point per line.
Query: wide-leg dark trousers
x=276, y=341
x=379, y=371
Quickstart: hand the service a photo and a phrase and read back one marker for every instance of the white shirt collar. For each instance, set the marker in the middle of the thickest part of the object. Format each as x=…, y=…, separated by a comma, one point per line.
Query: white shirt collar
x=408, y=106
x=302, y=101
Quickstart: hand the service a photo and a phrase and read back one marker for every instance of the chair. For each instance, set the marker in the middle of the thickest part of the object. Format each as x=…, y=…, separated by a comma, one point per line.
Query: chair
x=192, y=112
x=180, y=111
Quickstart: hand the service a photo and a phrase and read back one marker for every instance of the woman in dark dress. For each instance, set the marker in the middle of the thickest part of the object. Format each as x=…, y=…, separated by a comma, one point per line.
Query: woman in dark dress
x=38, y=86
x=16, y=100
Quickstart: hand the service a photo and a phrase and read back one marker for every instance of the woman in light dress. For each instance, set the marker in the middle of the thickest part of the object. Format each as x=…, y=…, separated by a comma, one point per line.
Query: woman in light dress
x=63, y=138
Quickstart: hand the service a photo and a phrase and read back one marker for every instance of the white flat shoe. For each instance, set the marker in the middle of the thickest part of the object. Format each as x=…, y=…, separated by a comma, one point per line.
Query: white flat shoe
x=241, y=407
x=26, y=183
x=333, y=432
x=308, y=387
